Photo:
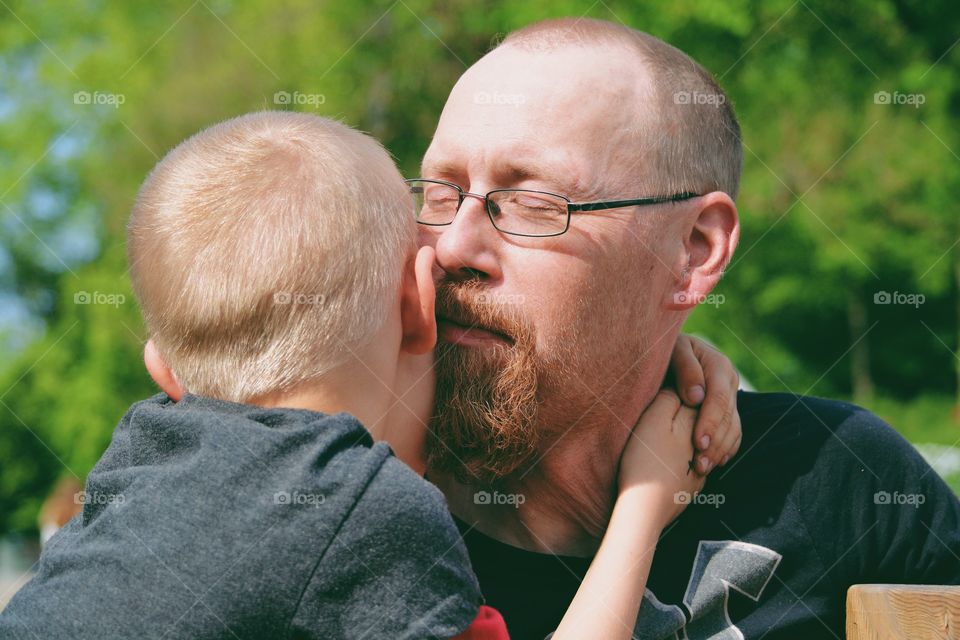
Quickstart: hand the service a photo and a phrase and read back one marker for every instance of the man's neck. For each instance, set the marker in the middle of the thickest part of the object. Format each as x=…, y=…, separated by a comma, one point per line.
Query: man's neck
x=560, y=505
x=560, y=502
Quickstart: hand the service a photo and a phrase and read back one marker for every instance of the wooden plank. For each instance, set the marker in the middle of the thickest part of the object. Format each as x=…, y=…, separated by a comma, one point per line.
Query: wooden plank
x=899, y=611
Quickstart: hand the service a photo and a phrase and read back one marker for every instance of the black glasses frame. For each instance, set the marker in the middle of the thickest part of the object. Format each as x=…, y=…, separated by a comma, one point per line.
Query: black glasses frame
x=572, y=207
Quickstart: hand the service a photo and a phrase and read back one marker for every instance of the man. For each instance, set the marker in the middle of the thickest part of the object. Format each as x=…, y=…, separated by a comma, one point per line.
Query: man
x=558, y=319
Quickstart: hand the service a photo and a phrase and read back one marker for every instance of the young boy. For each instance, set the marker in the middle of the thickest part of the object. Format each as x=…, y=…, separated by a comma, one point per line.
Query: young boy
x=292, y=325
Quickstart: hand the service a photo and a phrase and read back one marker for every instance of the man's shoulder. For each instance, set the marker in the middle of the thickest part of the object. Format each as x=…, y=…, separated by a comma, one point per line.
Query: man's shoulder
x=811, y=446
x=871, y=503
x=793, y=408
x=789, y=420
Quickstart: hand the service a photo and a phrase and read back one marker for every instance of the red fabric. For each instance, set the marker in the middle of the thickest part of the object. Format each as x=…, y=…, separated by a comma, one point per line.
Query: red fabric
x=488, y=625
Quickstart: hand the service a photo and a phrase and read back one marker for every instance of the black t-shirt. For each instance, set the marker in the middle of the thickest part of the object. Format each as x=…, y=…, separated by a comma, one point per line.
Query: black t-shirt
x=209, y=519
x=822, y=495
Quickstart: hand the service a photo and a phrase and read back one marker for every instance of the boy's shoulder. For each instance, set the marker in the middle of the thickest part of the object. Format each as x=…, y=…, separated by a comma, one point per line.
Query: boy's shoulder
x=160, y=435
x=272, y=457
x=276, y=516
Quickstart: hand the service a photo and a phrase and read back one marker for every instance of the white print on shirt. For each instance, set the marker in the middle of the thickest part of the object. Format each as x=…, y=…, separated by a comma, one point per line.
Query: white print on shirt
x=719, y=566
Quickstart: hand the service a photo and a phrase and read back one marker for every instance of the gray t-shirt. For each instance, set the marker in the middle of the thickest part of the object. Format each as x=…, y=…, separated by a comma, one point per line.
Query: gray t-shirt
x=209, y=519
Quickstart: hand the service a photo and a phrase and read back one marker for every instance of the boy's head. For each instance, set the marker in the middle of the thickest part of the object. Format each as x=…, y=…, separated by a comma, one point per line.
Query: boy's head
x=267, y=251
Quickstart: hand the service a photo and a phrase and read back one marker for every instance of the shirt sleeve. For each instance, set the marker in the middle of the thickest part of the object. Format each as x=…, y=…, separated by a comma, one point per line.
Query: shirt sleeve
x=879, y=513
x=396, y=568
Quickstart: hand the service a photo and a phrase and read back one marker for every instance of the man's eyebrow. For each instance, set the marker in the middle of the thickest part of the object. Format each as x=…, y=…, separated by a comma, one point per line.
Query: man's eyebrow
x=557, y=177
x=443, y=169
x=506, y=172
x=513, y=172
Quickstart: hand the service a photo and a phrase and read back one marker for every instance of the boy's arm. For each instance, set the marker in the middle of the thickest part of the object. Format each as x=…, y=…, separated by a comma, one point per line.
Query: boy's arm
x=653, y=470
x=608, y=600
x=397, y=567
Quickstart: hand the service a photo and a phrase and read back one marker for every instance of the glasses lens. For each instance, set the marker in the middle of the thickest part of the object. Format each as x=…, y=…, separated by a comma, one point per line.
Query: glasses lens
x=434, y=203
x=530, y=213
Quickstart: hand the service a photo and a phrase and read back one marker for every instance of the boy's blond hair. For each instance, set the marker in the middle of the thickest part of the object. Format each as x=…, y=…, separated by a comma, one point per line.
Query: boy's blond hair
x=267, y=249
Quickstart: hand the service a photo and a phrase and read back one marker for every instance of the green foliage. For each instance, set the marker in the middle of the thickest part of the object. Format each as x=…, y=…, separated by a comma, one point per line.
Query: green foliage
x=842, y=197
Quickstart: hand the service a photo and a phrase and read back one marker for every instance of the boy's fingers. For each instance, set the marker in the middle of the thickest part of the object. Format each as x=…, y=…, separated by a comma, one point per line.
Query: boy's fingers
x=661, y=410
x=720, y=374
x=684, y=421
x=719, y=409
x=713, y=424
x=723, y=437
x=687, y=371
x=732, y=449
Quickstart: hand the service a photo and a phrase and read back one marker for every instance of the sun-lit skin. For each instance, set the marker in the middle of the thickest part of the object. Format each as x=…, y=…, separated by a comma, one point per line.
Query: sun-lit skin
x=602, y=297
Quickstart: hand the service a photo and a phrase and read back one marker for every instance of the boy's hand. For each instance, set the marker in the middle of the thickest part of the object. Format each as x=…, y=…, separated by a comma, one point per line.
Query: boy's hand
x=655, y=463
x=703, y=374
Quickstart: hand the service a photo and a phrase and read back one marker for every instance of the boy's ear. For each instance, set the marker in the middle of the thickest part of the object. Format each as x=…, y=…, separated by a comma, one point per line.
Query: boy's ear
x=417, y=303
x=161, y=373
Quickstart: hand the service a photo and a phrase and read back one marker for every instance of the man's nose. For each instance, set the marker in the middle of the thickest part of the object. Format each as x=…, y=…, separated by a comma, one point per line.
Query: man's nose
x=466, y=248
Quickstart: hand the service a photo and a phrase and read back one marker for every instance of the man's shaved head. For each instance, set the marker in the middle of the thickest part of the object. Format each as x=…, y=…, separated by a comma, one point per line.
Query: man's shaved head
x=692, y=142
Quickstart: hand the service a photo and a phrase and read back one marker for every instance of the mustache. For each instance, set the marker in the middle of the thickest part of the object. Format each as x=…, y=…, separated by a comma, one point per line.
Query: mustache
x=471, y=304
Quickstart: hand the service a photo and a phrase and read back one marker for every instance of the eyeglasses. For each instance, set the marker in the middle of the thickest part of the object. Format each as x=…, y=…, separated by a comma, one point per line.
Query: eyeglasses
x=517, y=212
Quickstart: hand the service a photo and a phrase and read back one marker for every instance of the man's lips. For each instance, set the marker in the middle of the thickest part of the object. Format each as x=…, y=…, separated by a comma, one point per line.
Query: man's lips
x=457, y=332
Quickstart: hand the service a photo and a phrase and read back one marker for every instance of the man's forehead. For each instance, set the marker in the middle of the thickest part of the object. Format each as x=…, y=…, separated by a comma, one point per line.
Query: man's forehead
x=504, y=163
x=538, y=113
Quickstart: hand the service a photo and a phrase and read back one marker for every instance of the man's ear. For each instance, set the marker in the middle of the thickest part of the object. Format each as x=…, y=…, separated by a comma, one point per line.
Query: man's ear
x=417, y=303
x=709, y=247
x=161, y=373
